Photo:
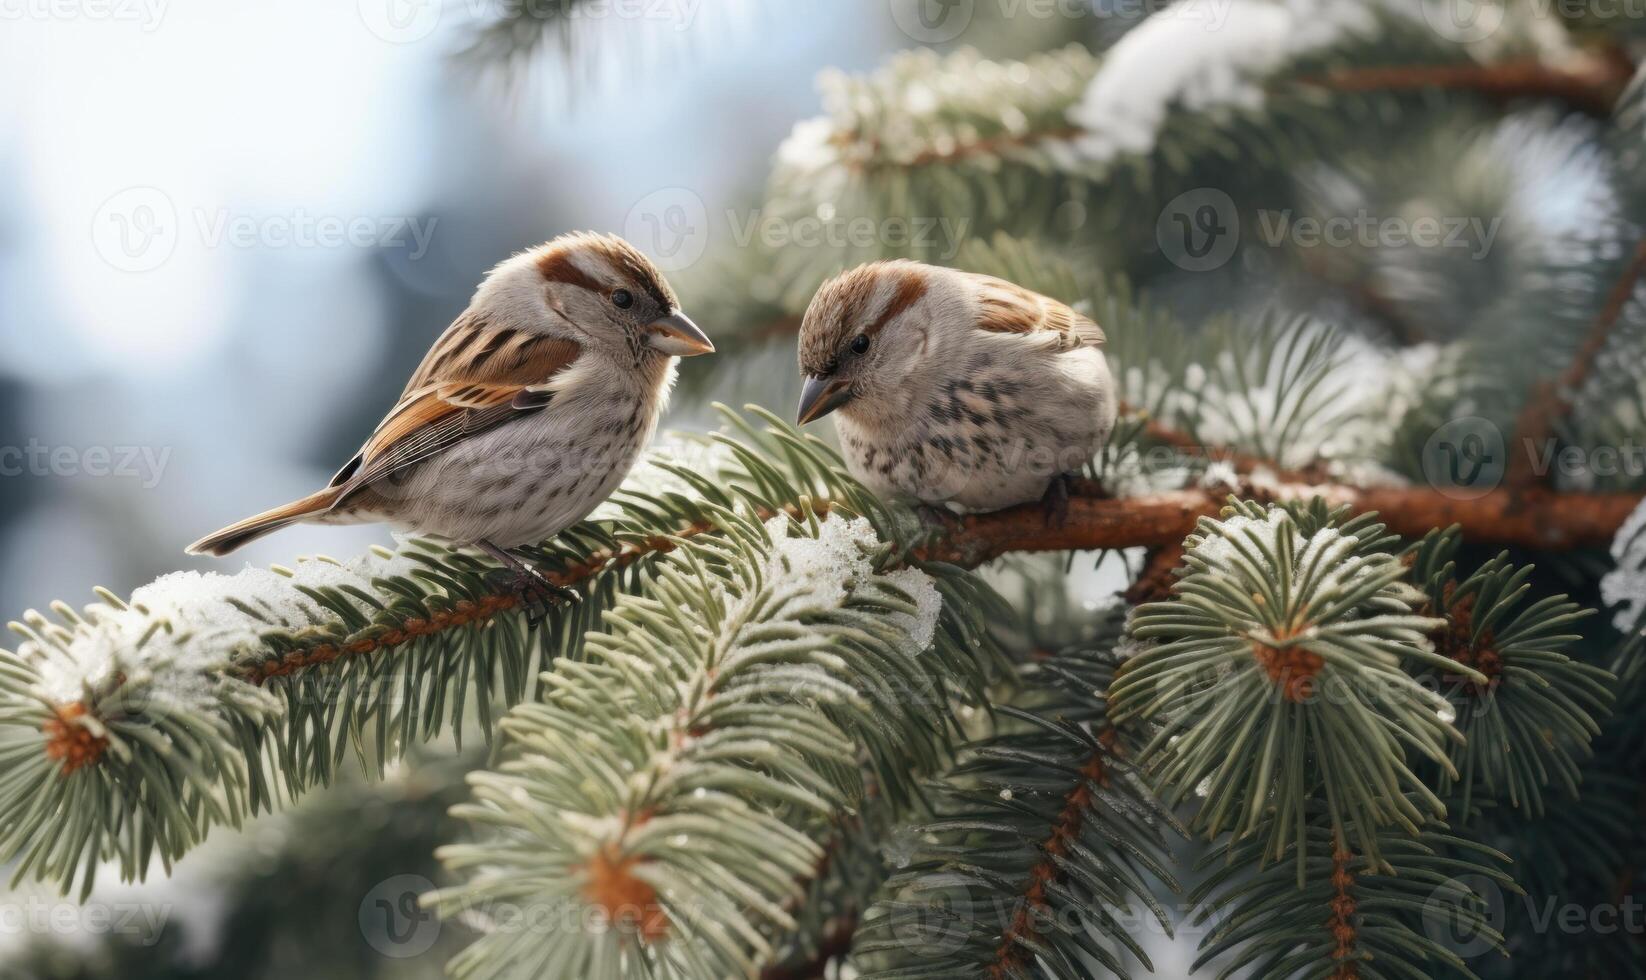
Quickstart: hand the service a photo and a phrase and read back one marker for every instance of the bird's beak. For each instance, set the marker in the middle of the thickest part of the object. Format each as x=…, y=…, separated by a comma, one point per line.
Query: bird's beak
x=820, y=396
x=676, y=334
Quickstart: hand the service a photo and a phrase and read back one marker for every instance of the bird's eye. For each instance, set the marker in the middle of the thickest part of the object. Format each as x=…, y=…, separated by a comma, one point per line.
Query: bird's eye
x=622, y=299
x=860, y=343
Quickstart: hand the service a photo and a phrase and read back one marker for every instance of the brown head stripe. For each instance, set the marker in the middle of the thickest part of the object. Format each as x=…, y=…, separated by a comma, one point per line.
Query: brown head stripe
x=911, y=287
x=854, y=291
x=557, y=266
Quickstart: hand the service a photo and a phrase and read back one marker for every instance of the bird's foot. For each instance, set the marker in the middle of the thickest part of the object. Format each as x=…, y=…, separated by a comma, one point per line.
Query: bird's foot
x=1055, y=503
x=535, y=593
x=933, y=519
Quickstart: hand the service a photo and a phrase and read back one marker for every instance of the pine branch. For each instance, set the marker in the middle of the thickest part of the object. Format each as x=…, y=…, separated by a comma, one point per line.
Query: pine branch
x=572, y=574
x=317, y=660
x=1531, y=685
x=1551, y=520
x=1353, y=916
x=1044, y=838
x=1277, y=667
x=131, y=729
x=1591, y=84
x=1551, y=400
x=1067, y=147
x=671, y=781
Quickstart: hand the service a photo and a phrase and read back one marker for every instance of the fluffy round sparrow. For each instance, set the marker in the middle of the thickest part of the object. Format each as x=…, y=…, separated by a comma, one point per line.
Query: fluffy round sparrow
x=952, y=388
x=525, y=414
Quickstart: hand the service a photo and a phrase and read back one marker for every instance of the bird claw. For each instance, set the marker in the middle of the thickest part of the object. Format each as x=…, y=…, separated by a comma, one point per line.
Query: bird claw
x=535, y=593
x=1056, y=501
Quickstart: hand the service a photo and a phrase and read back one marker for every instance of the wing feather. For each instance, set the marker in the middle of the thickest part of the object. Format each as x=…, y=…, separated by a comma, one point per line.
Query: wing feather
x=474, y=349
x=1005, y=307
x=475, y=377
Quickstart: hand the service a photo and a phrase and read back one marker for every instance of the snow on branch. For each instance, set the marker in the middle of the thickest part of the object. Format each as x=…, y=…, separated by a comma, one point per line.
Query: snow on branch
x=1280, y=663
x=664, y=787
x=131, y=728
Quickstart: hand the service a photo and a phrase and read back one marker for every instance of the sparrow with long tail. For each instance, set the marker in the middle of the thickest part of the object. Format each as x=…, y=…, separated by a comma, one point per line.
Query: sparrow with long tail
x=525, y=414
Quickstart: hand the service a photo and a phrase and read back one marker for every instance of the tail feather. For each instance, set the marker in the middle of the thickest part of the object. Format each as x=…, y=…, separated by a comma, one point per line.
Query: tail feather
x=236, y=535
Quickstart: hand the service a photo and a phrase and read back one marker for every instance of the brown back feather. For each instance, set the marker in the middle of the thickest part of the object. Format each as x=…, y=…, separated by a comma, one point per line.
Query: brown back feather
x=476, y=376
x=1005, y=307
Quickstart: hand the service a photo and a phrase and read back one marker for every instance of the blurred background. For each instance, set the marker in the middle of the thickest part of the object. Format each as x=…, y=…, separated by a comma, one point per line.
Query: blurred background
x=229, y=231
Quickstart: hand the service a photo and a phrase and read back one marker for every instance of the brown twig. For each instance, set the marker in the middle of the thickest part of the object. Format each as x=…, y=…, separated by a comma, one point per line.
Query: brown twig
x=1550, y=400
x=1341, y=923
x=1154, y=582
x=1013, y=953
x=1543, y=520
x=464, y=612
x=1589, y=83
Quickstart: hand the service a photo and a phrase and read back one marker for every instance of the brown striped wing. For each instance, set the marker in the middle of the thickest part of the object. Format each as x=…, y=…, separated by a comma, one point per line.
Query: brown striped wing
x=474, y=378
x=1006, y=307
x=472, y=349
